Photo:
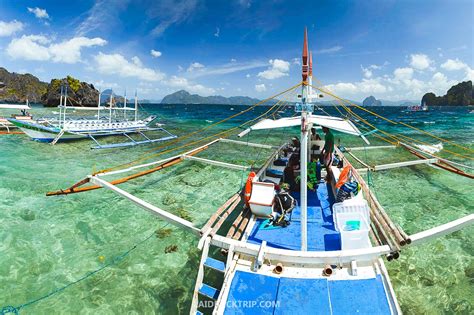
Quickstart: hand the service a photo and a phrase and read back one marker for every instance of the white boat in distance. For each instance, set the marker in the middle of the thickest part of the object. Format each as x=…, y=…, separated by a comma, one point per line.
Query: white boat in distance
x=62, y=128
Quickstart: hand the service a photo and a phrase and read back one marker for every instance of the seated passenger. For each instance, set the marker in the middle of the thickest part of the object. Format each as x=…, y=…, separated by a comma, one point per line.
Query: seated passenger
x=289, y=176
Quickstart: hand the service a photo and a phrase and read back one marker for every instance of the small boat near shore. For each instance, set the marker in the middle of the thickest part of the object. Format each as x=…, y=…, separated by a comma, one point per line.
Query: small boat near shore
x=417, y=108
x=115, y=122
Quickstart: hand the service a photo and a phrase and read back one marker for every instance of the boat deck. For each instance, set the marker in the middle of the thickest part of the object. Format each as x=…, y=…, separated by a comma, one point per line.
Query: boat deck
x=273, y=295
x=322, y=234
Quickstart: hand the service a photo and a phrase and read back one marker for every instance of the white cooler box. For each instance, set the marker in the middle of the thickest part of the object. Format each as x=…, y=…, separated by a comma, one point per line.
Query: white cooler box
x=355, y=211
x=261, y=200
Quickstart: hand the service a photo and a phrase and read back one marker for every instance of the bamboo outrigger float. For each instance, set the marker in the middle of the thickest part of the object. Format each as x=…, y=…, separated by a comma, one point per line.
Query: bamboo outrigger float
x=327, y=259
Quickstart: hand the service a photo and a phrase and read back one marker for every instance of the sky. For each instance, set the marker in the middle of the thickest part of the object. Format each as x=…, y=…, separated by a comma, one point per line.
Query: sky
x=393, y=50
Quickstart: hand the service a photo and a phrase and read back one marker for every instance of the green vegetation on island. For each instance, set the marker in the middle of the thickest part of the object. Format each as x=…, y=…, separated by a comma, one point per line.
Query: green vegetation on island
x=460, y=94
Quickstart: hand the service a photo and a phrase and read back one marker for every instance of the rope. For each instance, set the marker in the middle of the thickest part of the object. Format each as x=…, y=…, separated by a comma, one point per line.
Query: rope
x=16, y=309
x=197, y=131
x=391, y=121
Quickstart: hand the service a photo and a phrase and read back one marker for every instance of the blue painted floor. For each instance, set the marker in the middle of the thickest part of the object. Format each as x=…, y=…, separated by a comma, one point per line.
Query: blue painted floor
x=322, y=234
x=251, y=293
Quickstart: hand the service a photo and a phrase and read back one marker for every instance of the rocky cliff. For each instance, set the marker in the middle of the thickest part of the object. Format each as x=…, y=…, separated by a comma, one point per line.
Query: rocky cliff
x=371, y=101
x=16, y=88
x=78, y=93
x=183, y=97
x=460, y=94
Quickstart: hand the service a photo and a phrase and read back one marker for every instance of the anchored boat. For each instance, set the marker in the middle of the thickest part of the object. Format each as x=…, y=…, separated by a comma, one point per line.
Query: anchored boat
x=321, y=254
x=114, y=123
x=5, y=125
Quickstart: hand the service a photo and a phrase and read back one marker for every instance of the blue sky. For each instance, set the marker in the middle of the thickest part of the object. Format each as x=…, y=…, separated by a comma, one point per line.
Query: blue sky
x=389, y=49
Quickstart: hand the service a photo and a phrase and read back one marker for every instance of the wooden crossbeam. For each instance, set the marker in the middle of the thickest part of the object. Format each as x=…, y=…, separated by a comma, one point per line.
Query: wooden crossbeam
x=398, y=164
x=371, y=148
x=217, y=163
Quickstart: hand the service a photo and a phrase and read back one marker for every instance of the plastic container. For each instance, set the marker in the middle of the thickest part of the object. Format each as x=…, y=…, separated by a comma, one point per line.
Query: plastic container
x=354, y=230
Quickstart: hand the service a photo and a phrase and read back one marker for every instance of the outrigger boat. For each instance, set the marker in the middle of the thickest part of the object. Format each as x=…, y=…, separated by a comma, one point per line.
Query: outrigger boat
x=5, y=125
x=328, y=256
x=62, y=129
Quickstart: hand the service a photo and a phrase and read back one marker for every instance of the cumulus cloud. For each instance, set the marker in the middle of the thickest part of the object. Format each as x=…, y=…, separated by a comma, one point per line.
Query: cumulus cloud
x=402, y=74
x=117, y=64
x=456, y=65
x=420, y=61
x=39, y=13
x=40, y=48
x=453, y=65
x=183, y=83
x=155, y=53
x=278, y=68
x=10, y=28
x=195, y=66
x=260, y=87
x=29, y=47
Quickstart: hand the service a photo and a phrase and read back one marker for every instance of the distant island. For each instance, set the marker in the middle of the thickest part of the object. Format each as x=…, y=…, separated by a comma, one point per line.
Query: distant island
x=460, y=94
x=184, y=97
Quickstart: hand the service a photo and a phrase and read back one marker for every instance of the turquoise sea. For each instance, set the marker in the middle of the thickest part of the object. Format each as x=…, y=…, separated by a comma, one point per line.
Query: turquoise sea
x=49, y=242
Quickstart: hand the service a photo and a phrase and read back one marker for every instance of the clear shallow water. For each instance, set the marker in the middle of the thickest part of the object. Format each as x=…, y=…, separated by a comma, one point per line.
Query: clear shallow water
x=46, y=243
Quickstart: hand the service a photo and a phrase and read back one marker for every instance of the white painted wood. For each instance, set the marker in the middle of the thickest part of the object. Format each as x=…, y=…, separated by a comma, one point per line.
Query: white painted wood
x=217, y=163
x=200, y=276
x=156, y=162
x=397, y=165
x=403, y=164
x=371, y=148
x=250, y=144
x=441, y=230
x=168, y=217
x=302, y=257
x=260, y=256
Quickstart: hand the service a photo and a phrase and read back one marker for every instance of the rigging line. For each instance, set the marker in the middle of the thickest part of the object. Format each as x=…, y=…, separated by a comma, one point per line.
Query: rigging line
x=268, y=133
x=117, y=259
x=222, y=133
x=394, y=122
x=199, y=131
x=430, y=144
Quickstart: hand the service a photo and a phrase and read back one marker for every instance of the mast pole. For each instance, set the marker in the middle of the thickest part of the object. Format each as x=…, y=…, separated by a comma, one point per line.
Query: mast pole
x=136, y=106
x=304, y=146
x=98, y=107
x=125, y=104
x=110, y=107
x=65, y=104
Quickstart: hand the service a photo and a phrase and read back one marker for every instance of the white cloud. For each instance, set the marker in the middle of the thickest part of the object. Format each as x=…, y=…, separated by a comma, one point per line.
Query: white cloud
x=183, y=83
x=227, y=68
x=296, y=61
x=329, y=50
x=9, y=28
x=218, y=30
x=29, y=47
x=39, y=48
x=155, y=53
x=278, y=68
x=39, y=13
x=420, y=61
x=248, y=75
x=342, y=88
x=453, y=65
x=456, y=64
x=170, y=12
x=260, y=87
x=402, y=74
x=117, y=64
x=70, y=51
x=195, y=66
x=367, y=72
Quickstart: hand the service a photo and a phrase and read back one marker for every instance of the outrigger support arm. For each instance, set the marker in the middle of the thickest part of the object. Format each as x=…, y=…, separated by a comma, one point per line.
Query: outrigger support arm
x=441, y=230
x=168, y=217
